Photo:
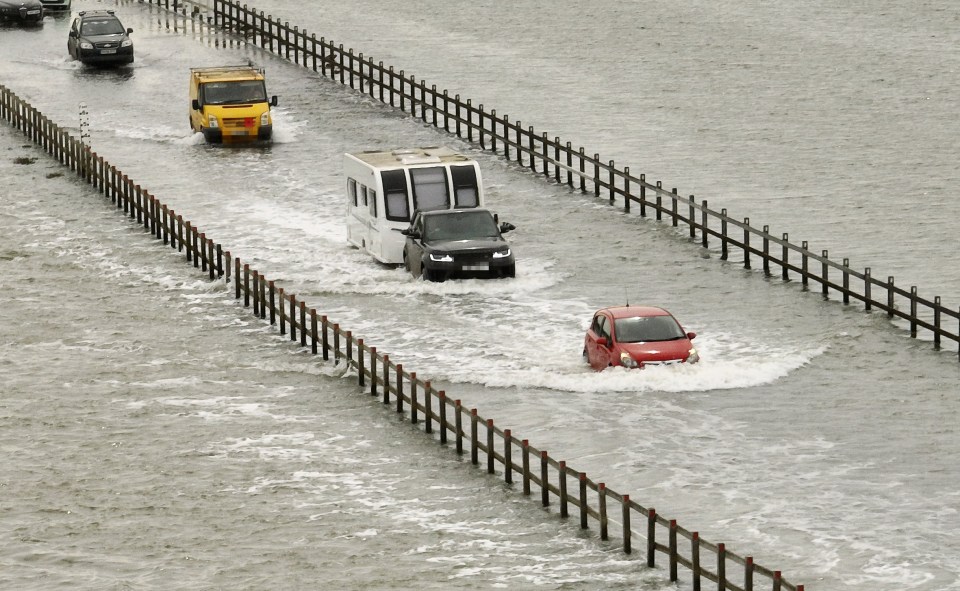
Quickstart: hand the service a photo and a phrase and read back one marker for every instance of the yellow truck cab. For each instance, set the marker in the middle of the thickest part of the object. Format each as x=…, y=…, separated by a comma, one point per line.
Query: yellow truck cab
x=229, y=104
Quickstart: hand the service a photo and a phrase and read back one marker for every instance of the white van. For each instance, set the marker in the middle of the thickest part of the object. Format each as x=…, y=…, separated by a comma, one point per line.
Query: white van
x=385, y=189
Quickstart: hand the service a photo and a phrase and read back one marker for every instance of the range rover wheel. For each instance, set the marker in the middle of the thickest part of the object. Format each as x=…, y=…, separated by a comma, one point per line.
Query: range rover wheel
x=431, y=275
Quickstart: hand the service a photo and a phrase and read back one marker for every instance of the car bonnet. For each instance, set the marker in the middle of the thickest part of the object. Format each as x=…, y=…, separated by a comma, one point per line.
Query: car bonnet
x=658, y=350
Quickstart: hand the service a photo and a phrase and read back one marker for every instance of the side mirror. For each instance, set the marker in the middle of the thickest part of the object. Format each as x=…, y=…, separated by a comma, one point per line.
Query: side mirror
x=506, y=227
x=410, y=232
x=129, y=30
x=195, y=104
x=273, y=101
x=72, y=33
x=602, y=341
x=691, y=335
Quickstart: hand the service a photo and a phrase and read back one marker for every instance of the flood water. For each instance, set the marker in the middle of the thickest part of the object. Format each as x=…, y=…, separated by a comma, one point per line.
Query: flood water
x=156, y=436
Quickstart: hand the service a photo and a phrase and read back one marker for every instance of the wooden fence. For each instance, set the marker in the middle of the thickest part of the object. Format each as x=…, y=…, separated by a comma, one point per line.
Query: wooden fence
x=561, y=163
x=440, y=415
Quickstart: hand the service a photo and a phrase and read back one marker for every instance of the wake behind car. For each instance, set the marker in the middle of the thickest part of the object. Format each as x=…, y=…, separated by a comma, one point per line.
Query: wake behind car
x=636, y=337
x=21, y=11
x=457, y=243
x=98, y=37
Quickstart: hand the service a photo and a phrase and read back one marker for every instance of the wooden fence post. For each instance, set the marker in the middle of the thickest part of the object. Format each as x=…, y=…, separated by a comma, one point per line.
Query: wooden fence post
x=323, y=337
x=890, y=289
x=526, y=466
x=283, y=311
x=913, y=311
x=766, y=250
x=723, y=234
x=491, y=453
x=582, y=479
x=385, y=386
x=413, y=397
x=442, y=396
x=721, y=567
x=544, y=480
x=361, y=371
x=695, y=559
x=273, y=301
x=474, y=436
x=399, y=382
x=373, y=370
x=846, y=281
x=602, y=502
x=507, y=457
x=625, y=506
x=651, y=536
x=746, y=243
x=458, y=425
x=804, y=264
x=336, y=343
x=562, y=486
x=427, y=407
x=673, y=550
x=824, y=273
x=303, y=323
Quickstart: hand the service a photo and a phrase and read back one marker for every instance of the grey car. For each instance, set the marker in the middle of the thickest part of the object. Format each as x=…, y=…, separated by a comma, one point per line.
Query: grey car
x=457, y=243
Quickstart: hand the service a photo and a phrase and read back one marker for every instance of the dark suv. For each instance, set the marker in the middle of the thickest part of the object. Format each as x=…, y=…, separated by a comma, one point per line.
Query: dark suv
x=98, y=37
x=457, y=243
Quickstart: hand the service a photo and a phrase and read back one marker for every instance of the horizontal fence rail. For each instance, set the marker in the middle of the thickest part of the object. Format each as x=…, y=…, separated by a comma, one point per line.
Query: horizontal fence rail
x=440, y=415
x=561, y=163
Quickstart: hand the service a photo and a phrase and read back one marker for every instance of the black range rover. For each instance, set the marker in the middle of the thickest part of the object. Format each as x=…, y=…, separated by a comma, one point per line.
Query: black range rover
x=457, y=243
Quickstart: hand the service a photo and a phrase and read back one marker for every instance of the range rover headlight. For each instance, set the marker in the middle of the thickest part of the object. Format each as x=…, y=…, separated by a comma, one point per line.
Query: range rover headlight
x=502, y=253
x=126, y=43
x=212, y=121
x=627, y=361
x=86, y=45
x=441, y=258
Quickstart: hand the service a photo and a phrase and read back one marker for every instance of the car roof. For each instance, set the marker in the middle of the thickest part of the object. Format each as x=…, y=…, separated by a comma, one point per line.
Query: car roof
x=96, y=13
x=434, y=212
x=633, y=311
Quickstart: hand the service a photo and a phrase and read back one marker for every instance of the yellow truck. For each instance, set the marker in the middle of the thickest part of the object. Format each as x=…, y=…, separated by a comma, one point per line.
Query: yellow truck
x=229, y=104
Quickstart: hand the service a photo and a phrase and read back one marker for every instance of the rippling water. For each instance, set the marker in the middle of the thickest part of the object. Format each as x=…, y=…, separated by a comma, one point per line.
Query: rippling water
x=154, y=432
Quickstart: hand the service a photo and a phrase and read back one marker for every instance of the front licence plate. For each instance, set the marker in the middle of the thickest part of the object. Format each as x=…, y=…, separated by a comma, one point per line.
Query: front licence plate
x=108, y=51
x=33, y=12
x=480, y=267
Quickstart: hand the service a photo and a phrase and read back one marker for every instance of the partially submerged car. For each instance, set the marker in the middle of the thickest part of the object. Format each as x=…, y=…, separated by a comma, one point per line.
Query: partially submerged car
x=385, y=188
x=636, y=337
x=21, y=11
x=448, y=243
x=229, y=104
x=98, y=37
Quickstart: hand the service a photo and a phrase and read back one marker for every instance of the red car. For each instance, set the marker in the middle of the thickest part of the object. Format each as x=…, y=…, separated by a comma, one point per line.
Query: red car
x=637, y=336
